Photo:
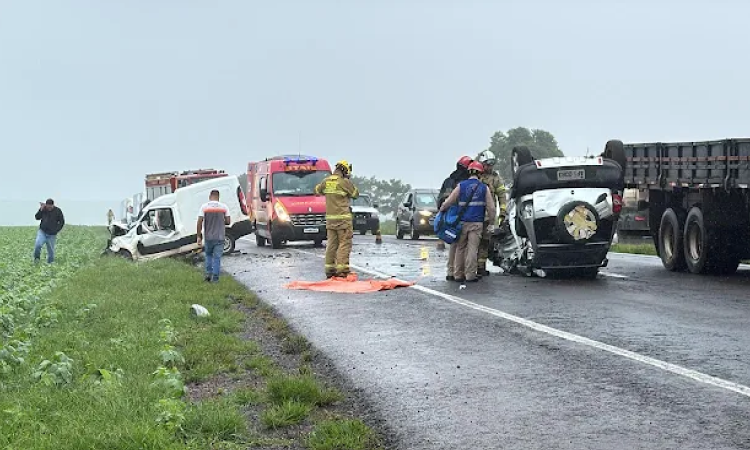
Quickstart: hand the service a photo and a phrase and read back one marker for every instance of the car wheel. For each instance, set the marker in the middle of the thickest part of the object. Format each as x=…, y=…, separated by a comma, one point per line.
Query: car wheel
x=615, y=150
x=414, y=233
x=362, y=232
x=318, y=243
x=670, y=240
x=260, y=241
x=374, y=231
x=229, y=243
x=125, y=254
x=399, y=232
x=577, y=222
x=521, y=155
x=276, y=242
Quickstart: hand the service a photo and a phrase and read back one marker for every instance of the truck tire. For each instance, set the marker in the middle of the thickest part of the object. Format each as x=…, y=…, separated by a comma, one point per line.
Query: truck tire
x=707, y=251
x=519, y=157
x=615, y=150
x=229, y=243
x=260, y=241
x=671, y=249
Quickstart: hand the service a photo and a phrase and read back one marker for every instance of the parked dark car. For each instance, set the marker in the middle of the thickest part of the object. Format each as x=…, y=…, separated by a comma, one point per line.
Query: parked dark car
x=416, y=213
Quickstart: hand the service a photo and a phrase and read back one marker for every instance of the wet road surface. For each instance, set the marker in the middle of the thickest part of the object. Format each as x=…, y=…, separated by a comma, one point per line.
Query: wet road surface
x=639, y=358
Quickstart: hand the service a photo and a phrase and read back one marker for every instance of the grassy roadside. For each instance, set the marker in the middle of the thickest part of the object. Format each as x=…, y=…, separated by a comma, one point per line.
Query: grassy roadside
x=637, y=249
x=119, y=362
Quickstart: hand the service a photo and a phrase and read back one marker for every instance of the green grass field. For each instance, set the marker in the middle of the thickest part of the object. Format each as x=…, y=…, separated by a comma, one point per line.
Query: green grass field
x=98, y=352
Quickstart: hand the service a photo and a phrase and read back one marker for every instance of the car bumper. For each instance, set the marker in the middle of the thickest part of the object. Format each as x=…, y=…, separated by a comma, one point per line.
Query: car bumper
x=373, y=223
x=570, y=256
x=425, y=225
x=286, y=231
x=241, y=228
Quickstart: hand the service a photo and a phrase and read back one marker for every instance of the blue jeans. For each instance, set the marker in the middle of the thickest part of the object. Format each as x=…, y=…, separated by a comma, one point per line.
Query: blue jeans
x=43, y=238
x=214, y=249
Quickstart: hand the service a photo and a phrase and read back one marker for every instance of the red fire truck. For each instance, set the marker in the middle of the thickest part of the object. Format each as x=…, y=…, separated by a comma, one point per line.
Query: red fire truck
x=158, y=184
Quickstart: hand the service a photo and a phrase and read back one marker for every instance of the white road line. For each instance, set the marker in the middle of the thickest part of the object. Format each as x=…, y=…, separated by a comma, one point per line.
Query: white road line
x=673, y=368
x=612, y=274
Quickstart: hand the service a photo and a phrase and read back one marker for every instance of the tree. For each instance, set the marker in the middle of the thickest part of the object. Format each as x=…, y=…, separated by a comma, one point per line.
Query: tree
x=541, y=143
x=387, y=193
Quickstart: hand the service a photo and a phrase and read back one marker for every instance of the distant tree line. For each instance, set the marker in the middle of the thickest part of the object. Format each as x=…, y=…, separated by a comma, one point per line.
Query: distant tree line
x=386, y=193
x=541, y=143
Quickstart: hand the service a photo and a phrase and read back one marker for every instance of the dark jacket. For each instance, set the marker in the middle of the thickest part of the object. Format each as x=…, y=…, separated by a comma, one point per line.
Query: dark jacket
x=52, y=220
x=450, y=183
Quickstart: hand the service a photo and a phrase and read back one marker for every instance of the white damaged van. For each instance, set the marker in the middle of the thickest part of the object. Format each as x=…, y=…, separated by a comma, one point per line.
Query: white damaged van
x=168, y=225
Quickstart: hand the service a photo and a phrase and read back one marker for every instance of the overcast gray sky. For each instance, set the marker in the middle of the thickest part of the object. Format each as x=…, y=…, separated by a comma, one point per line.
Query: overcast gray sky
x=94, y=94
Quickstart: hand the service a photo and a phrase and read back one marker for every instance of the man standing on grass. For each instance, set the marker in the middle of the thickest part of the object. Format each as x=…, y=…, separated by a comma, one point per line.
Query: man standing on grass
x=215, y=216
x=52, y=221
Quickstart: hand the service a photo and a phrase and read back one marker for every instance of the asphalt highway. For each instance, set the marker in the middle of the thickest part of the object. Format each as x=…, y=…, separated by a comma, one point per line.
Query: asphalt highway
x=639, y=358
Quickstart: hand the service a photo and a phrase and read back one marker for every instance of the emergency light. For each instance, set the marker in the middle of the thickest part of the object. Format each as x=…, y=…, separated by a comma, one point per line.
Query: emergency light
x=301, y=159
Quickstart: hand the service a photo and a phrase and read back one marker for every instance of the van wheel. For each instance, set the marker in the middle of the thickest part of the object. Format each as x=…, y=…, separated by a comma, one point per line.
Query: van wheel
x=399, y=232
x=275, y=242
x=260, y=241
x=229, y=244
x=125, y=254
x=670, y=240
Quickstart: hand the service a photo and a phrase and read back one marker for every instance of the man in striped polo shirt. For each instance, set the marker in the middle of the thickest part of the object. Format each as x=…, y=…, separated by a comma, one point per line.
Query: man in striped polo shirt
x=214, y=217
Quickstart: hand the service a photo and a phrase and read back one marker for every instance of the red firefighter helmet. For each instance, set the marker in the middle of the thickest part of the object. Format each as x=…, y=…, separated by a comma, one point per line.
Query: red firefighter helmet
x=476, y=166
x=465, y=161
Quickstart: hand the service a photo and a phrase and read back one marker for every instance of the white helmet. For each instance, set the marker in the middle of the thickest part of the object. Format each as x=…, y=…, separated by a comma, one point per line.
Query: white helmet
x=487, y=158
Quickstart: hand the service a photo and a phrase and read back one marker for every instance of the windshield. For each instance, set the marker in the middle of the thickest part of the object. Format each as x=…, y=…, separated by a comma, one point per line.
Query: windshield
x=297, y=184
x=362, y=200
x=426, y=199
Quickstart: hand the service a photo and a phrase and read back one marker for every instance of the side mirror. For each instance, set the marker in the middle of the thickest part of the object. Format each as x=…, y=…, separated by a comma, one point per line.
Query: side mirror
x=264, y=195
x=375, y=205
x=407, y=205
x=142, y=228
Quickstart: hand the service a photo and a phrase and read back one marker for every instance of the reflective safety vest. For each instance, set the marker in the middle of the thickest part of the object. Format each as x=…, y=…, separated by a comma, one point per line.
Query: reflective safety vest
x=338, y=190
x=476, y=204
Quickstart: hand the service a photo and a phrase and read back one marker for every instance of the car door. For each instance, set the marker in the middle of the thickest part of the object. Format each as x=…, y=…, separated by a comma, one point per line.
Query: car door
x=157, y=234
x=409, y=209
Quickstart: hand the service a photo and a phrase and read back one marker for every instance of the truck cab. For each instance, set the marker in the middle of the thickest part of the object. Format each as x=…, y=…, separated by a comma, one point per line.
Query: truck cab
x=282, y=200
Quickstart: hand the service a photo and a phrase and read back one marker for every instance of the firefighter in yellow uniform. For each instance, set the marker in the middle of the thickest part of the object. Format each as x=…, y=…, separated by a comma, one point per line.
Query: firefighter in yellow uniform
x=497, y=188
x=339, y=190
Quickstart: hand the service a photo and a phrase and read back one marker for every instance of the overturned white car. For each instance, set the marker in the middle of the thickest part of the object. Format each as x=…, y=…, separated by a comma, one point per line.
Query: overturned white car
x=562, y=213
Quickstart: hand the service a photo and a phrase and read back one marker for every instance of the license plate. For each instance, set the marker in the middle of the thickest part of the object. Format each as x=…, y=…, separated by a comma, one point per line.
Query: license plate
x=361, y=221
x=311, y=230
x=567, y=175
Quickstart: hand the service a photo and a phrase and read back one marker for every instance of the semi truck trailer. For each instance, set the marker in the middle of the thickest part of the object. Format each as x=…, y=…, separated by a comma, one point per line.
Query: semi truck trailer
x=698, y=201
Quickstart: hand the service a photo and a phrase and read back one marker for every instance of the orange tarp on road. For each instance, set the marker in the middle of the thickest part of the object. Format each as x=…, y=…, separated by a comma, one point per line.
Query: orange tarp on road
x=348, y=285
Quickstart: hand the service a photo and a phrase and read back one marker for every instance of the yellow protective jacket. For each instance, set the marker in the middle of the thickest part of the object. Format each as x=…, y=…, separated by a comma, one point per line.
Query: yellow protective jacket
x=338, y=191
x=496, y=188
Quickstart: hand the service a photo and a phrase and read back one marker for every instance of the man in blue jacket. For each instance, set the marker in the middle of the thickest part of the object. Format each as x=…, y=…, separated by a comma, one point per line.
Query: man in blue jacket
x=52, y=221
x=475, y=199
